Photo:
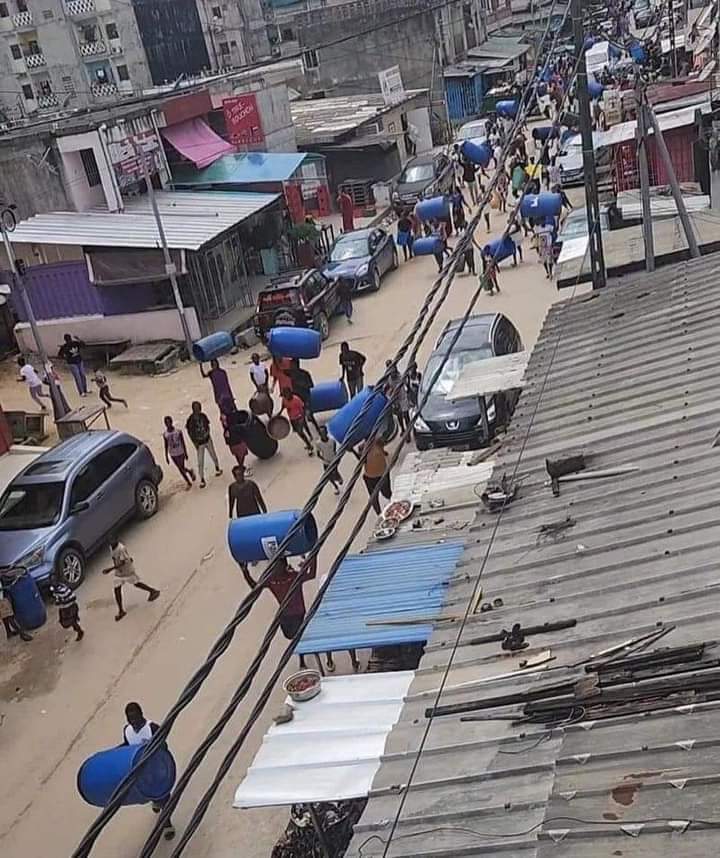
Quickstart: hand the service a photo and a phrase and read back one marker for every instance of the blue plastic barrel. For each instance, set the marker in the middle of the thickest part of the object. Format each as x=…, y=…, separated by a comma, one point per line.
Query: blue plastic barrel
x=213, y=346
x=507, y=108
x=256, y=537
x=434, y=208
x=294, y=342
x=499, y=249
x=545, y=132
x=27, y=602
x=427, y=245
x=637, y=52
x=595, y=89
x=541, y=205
x=589, y=42
x=100, y=775
x=328, y=396
x=478, y=153
x=339, y=425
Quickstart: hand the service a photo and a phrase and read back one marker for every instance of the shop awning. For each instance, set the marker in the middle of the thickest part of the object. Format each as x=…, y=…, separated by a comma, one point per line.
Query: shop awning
x=382, y=585
x=196, y=141
x=242, y=168
x=332, y=747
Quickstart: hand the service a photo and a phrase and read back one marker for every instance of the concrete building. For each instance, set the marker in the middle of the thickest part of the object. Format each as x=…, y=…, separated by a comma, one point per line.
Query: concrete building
x=66, y=54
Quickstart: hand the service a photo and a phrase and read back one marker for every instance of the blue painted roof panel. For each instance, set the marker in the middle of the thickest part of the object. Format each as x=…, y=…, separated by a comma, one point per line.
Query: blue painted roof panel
x=242, y=168
x=407, y=582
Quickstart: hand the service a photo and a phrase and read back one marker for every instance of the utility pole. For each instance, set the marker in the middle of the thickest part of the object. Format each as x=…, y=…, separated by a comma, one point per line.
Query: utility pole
x=642, y=138
x=592, y=204
x=19, y=287
x=671, y=25
x=672, y=178
x=170, y=268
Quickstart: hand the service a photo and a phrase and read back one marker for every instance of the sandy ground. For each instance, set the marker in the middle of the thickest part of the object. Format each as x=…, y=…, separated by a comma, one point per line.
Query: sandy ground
x=61, y=701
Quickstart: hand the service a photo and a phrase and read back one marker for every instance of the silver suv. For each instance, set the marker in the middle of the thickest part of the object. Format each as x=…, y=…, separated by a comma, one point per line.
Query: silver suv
x=62, y=507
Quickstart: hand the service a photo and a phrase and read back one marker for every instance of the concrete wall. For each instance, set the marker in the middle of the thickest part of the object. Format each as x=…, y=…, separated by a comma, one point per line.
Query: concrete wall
x=274, y=108
x=137, y=327
x=79, y=191
x=24, y=181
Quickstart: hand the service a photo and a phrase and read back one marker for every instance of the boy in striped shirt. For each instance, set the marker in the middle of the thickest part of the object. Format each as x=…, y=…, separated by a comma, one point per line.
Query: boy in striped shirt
x=68, y=612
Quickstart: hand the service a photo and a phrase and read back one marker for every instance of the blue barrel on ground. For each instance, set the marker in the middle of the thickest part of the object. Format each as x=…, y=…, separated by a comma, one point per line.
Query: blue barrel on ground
x=595, y=89
x=427, y=245
x=257, y=537
x=328, y=396
x=541, y=205
x=478, y=153
x=213, y=346
x=434, y=208
x=340, y=425
x=499, y=248
x=100, y=775
x=294, y=342
x=506, y=108
x=27, y=602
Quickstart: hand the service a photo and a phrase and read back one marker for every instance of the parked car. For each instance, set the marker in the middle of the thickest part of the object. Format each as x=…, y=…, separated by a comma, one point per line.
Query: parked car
x=443, y=423
x=473, y=131
x=424, y=176
x=61, y=508
x=310, y=300
x=571, y=160
x=362, y=257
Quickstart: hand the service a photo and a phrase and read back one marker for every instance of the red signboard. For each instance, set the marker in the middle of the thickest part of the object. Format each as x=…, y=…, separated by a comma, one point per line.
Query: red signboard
x=242, y=120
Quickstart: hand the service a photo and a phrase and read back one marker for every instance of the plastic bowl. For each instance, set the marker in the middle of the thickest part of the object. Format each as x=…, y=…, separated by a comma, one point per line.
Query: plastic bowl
x=312, y=689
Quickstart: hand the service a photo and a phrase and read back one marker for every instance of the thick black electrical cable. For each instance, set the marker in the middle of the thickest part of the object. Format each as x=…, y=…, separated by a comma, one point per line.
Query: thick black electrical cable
x=204, y=804
x=225, y=639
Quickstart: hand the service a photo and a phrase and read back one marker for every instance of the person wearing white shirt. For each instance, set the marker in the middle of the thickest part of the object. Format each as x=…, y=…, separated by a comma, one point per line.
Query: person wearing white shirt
x=259, y=374
x=32, y=379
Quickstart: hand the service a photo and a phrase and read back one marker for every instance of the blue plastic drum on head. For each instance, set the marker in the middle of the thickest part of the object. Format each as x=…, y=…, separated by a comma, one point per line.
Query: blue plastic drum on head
x=256, y=537
x=499, y=249
x=434, y=208
x=294, y=342
x=595, y=89
x=100, y=775
x=213, y=346
x=478, y=153
x=328, y=396
x=541, y=205
x=427, y=246
x=340, y=424
x=507, y=108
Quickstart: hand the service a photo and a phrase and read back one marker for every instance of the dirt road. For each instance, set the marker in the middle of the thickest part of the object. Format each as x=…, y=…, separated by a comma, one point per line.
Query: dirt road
x=61, y=701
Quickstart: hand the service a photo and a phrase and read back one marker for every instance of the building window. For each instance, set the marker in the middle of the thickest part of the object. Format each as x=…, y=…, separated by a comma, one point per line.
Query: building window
x=310, y=59
x=287, y=34
x=68, y=85
x=233, y=44
x=4, y=13
x=27, y=92
x=45, y=87
x=224, y=48
x=33, y=48
x=87, y=156
x=216, y=12
x=48, y=14
x=16, y=52
x=22, y=6
x=112, y=31
x=123, y=73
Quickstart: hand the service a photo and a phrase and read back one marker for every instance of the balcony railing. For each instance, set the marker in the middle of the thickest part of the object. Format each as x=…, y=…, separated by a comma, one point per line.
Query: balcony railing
x=23, y=19
x=45, y=102
x=92, y=49
x=103, y=90
x=35, y=61
x=80, y=8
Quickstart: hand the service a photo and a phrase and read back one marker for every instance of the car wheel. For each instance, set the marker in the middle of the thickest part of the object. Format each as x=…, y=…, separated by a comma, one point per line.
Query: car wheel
x=70, y=566
x=322, y=326
x=395, y=260
x=374, y=280
x=422, y=446
x=146, y=499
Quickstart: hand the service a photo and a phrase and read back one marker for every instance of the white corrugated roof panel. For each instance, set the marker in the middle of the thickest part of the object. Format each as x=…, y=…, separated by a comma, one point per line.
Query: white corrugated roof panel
x=626, y=130
x=489, y=376
x=190, y=219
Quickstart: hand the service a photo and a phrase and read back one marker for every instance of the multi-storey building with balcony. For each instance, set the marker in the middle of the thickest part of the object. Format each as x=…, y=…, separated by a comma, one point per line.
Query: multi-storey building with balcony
x=57, y=55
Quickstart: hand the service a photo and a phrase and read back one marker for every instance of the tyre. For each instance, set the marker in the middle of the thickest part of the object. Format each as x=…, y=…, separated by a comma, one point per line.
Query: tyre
x=422, y=446
x=70, y=566
x=284, y=319
x=374, y=280
x=395, y=260
x=146, y=499
x=389, y=429
x=322, y=326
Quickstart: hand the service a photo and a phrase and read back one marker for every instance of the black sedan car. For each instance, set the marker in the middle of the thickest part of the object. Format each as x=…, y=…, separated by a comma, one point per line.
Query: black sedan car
x=362, y=257
x=443, y=423
x=423, y=176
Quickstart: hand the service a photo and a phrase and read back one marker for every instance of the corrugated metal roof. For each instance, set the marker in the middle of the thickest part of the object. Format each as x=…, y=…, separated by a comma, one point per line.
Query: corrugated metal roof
x=190, y=219
x=629, y=375
x=672, y=119
x=498, y=47
x=332, y=747
x=393, y=584
x=483, y=378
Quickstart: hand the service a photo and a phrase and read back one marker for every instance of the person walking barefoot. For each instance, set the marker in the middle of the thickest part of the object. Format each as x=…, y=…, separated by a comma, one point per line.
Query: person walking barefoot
x=68, y=613
x=176, y=450
x=124, y=569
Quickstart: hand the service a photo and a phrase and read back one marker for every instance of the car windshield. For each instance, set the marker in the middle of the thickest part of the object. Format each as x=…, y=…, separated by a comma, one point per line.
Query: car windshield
x=468, y=132
x=417, y=173
x=31, y=506
x=472, y=338
x=452, y=370
x=349, y=248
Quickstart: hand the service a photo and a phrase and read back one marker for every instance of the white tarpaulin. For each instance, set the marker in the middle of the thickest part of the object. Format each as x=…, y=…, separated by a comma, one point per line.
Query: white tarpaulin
x=331, y=749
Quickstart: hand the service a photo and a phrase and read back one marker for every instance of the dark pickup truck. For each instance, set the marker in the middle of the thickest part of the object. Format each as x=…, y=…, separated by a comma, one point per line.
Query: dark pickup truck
x=308, y=300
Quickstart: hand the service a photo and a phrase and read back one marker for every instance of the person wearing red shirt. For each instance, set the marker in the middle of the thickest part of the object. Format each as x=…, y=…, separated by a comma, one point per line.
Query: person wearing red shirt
x=295, y=408
x=347, y=209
